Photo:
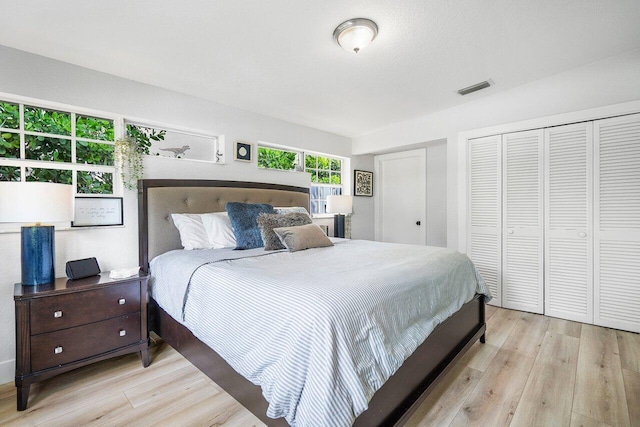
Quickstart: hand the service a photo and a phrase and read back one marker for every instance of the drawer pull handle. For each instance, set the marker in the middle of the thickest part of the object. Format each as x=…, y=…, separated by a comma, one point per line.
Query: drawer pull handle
x=57, y=314
x=123, y=332
x=121, y=301
x=57, y=350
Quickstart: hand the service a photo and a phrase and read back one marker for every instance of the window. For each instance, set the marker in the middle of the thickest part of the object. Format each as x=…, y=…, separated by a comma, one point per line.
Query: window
x=178, y=144
x=326, y=179
x=274, y=158
x=45, y=145
x=326, y=172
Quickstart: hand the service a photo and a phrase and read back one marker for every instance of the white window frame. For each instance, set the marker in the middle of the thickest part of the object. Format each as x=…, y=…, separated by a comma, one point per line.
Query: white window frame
x=73, y=166
x=344, y=170
x=217, y=140
x=119, y=122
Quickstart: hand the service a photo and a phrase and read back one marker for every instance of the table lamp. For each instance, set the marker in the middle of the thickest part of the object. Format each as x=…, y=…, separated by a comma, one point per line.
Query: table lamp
x=34, y=202
x=339, y=205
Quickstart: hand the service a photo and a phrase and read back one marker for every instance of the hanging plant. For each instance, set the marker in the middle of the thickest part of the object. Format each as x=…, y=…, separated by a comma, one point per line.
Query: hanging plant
x=129, y=161
x=129, y=152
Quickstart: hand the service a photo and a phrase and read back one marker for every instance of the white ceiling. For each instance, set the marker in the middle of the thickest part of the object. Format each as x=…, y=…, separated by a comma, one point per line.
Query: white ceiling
x=278, y=57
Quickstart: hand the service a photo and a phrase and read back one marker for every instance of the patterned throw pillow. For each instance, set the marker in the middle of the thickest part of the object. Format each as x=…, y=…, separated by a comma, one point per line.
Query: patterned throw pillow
x=244, y=220
x=267, y=222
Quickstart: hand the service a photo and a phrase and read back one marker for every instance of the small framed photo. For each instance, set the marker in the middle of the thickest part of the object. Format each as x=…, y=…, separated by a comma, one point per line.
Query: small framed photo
x=97, y=211
x=242, y=151
x=362, y=183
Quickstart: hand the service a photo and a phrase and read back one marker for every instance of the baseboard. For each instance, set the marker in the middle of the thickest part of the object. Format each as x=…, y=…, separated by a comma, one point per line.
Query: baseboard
x=7, y=371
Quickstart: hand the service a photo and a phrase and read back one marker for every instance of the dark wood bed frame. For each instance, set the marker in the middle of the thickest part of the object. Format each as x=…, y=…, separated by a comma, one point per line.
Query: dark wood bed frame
x=392, y=404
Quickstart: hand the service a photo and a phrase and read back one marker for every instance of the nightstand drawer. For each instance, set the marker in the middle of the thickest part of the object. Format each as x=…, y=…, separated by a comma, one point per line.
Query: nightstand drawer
x=58, y=312
x=73, y=344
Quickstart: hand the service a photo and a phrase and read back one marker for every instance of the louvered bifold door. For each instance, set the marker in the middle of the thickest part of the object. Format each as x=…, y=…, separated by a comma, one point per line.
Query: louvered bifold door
x=484, y=215
x=522, y=240
x=568, y=221
x=617, y=223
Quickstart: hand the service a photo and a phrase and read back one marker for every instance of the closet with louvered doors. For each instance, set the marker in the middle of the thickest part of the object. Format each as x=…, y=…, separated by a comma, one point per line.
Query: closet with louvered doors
x=555, y=228
x=484, y=201
x=522, y=216
x=569, y=222
x=617, y=222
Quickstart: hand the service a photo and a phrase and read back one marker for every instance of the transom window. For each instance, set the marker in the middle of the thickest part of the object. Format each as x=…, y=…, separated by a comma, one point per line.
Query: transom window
x=326, y=172
x=39, y=144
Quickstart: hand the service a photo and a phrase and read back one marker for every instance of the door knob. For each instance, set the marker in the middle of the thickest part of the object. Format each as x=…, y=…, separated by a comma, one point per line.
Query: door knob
x=509, y=231
x=582, y=234
x=417, y=222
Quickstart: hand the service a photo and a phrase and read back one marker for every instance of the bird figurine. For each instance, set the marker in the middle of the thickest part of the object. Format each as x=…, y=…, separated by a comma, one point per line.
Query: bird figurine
x=176, y=151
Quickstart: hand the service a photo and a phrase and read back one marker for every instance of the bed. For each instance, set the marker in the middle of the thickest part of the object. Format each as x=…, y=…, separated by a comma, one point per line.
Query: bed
x=391, y=404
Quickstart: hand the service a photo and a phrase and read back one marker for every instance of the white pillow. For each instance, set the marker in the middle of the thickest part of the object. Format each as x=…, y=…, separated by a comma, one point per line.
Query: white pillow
x=219, y=230
x=192, y=232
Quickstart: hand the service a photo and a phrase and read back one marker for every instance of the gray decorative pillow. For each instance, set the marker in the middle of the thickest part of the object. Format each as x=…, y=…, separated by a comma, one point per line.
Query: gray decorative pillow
x=286, y=210
x=267, y=222
x=303, y=237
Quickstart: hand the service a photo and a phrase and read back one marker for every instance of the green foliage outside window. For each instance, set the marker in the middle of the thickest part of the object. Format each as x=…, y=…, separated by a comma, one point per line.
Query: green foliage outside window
x=9, y=115
x=50, y=149
x=95, y=182
x=58, y=176
x=47, y=149
x=144, y=137
x=270, y=158
x=93, y=153
x=94, y=128
x=10, y=145
x=9, y=173
x=324, y=170
x=47, y=121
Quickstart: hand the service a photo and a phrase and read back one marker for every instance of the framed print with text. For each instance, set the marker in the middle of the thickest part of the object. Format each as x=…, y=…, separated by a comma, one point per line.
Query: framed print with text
x=97, y=211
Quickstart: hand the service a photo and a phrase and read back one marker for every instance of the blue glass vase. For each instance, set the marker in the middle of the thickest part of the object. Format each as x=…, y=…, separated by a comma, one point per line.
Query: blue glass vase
x=38, y=252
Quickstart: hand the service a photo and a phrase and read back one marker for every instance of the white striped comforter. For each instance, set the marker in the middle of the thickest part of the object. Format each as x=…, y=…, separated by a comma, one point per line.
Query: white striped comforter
x=319, y=330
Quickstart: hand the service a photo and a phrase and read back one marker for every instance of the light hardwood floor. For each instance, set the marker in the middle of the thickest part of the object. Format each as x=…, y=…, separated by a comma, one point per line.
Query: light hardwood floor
x=532, y=371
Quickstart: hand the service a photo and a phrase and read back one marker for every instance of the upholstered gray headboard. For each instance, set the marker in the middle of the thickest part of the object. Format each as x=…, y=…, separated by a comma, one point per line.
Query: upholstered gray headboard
x=159, y=198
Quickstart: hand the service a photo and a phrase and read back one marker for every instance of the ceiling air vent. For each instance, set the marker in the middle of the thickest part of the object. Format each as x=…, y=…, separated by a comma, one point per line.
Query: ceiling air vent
x=474, y=88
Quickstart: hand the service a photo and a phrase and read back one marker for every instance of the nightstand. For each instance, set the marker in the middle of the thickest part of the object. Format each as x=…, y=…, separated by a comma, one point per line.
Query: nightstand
x=67, y=324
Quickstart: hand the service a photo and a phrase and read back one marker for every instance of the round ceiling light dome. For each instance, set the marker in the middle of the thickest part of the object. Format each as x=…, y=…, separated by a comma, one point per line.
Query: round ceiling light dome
x=355, y=34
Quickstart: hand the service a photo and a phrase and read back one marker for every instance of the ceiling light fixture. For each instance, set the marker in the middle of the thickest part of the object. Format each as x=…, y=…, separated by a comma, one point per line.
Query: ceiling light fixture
x=355, y=34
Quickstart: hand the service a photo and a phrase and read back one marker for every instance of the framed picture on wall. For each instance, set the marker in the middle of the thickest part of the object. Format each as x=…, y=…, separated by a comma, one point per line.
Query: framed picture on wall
x=242, y=151
x=362, y=183
x=97, y=211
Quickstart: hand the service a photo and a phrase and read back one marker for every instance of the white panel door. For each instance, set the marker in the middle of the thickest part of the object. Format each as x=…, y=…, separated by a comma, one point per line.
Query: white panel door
x=484, y=211
x=569, y=222
x=617, y=223
x=400, y=202
x=522, y=240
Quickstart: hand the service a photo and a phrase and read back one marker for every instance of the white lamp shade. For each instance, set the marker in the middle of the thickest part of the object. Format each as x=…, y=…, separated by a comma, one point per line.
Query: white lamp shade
x=35, y=202
x=339, y=204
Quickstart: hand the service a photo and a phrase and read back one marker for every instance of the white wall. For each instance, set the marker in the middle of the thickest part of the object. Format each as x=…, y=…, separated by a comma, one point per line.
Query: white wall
x=611, y=81
x=42, y=78
x=362, y=225
x=437, y=194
